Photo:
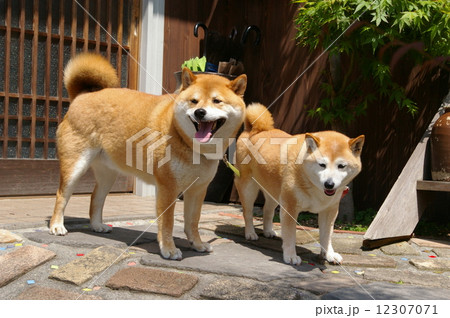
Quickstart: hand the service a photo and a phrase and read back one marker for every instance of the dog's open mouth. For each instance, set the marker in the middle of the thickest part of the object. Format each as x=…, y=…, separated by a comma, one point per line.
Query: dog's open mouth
x=207, y=129
x=329, y=192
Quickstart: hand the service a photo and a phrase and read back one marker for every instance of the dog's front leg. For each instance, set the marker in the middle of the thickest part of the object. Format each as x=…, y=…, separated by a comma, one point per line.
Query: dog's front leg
x=193, y=199
x=326, y=225
x=165, y=206
x=288, y=232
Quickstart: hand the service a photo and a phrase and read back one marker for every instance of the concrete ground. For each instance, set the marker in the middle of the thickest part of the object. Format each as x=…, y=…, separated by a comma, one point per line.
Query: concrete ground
x=126, y=264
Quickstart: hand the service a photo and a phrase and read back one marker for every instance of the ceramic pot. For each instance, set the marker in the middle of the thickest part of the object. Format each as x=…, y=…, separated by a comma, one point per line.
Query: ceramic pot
x=178, y=76
x=440, y=148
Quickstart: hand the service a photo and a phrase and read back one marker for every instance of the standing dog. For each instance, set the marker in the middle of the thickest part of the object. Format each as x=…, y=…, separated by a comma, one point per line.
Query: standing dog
x=105, y=124
x=306, y=172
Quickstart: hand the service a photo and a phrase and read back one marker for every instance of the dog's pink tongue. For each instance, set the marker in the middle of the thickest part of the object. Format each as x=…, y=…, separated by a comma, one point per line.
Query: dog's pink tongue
x=204, y=132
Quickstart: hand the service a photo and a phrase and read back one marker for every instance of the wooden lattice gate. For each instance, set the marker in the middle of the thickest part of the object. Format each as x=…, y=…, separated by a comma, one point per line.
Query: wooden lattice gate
x=37, y=39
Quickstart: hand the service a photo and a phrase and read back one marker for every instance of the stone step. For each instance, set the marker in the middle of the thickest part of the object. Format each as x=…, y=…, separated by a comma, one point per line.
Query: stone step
x=21, y=261
x=85, y=268
x=236, y=260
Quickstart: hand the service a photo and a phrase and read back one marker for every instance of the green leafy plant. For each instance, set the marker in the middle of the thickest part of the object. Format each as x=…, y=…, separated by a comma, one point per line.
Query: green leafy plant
x=365, y=40
x=195, y=64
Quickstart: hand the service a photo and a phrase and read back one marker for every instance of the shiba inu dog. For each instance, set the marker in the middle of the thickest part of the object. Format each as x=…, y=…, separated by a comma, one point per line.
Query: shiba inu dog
x=306, y=172
x=112, y=130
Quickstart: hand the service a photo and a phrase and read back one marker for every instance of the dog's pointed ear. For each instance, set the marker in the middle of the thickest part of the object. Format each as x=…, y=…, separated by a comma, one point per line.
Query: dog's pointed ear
x=312, y=141
x=239, y=85
x=187, y=78
x=356, y=144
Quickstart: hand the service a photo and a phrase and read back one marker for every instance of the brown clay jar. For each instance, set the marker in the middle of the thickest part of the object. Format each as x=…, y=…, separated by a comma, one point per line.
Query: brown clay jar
x=440, y=148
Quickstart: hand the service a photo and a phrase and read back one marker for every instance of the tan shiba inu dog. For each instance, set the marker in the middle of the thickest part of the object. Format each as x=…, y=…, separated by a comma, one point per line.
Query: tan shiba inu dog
x=306, y=172
x=155, y=138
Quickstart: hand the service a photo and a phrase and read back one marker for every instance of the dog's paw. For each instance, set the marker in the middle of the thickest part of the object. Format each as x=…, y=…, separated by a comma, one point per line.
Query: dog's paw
x=251, y=235
x=58, y=230
x=333, y=258
x=292, y=259
x=173, y=253
x=202, y=247
x=270, y=234
x=101, y=228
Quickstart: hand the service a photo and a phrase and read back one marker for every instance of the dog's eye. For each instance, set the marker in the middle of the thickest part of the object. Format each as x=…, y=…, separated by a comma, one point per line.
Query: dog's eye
x=216, y=101
x=194, y=101
x=341, y=166
x=322, y=165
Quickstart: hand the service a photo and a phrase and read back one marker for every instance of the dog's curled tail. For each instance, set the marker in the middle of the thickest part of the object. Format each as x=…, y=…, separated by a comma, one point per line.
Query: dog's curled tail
x=88, y=72
x=257, y=118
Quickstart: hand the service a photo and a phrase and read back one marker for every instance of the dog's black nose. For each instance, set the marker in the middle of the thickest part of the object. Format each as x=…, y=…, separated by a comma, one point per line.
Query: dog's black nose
x=329, y=184
x=200, y=113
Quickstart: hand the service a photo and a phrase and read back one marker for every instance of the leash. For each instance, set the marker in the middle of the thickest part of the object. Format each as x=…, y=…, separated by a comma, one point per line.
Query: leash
x=229, y=165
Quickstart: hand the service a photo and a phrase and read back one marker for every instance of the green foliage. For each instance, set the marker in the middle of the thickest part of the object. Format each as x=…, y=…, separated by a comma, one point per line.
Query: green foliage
x=372, y=36
x=361, y=223
x=195, y=64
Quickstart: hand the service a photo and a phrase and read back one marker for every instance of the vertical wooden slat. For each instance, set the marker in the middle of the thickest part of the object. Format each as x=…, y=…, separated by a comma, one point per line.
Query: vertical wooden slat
x=120, y=38
x=47, y=76
x=86, y=26
x=97, y=27
x=109, y=29
x=73, y=31
x=133, y=42
x=34, y=72
x=21, y=68
x=7, y=72
x=61, y=59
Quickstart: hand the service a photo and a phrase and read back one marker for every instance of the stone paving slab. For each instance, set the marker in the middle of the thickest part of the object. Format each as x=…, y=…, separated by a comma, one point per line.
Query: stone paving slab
x=45, y=293
x=327, y=283
x=9, y=237
x=119, y=237
x=431, y=242
x=305, y=237
x=151, y=280
x=204, y=218
x=232, y=289
x=235, y=260
x=387, y=291
x=274, y=244
x=441, y=252
x=403, y=248
x=86, y=267
x=432, y=264
x=345, y=245
x=368, y=261
x=407, y=277
x=21, y=261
